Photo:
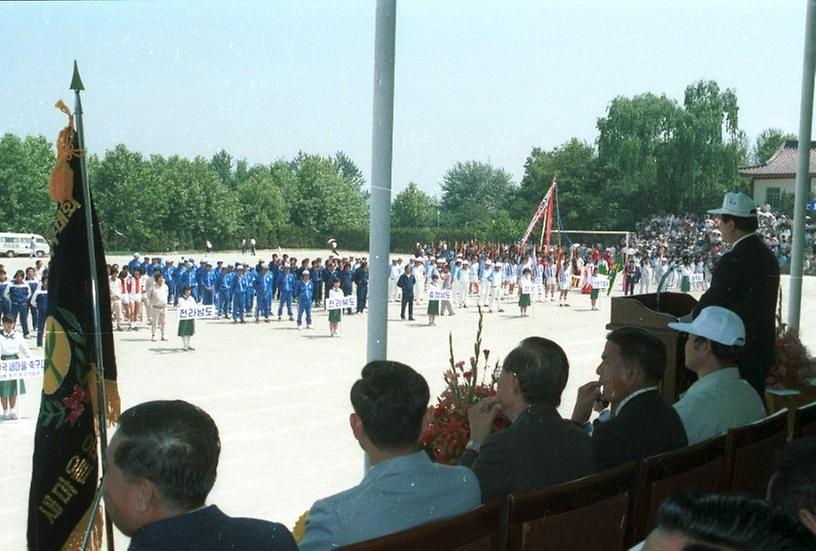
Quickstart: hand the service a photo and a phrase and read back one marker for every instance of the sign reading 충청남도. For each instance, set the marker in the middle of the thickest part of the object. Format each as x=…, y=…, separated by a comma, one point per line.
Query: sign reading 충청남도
x=200, y=311
x=24, y=368
x=440, y=294
x=340, y=303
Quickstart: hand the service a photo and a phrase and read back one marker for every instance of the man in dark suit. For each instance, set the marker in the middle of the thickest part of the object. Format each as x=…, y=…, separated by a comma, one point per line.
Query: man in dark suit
x=406, y=282
x=746, y=281
x=161, y=465
x=539, y=449
x=642, y=424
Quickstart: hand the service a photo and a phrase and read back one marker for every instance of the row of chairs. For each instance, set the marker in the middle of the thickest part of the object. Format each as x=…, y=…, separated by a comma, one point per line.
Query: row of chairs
x=616, y=508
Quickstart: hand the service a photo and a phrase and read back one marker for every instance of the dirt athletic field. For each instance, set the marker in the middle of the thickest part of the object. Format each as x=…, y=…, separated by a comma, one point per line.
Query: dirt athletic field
x=280, y=396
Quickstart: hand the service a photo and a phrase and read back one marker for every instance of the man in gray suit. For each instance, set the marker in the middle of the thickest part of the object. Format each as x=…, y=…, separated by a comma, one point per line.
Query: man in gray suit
x=403, y=488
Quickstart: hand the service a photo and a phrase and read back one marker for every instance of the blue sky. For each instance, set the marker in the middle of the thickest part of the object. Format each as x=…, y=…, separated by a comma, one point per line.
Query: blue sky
x=475, y=80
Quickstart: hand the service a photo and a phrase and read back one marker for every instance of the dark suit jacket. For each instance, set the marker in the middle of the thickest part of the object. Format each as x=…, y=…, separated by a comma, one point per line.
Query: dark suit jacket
x=746, y=280
x=646, y=426
x=209, y=529
x=540, y=449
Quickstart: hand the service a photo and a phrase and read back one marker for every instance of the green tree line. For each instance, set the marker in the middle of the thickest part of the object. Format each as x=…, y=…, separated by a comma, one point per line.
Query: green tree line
x=652, y=155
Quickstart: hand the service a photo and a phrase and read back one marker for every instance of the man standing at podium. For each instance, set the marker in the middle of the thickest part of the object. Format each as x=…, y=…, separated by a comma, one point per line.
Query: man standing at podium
x=746, y=280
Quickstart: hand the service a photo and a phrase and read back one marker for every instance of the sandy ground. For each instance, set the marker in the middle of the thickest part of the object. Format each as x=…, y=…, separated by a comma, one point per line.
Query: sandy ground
x=280, y=396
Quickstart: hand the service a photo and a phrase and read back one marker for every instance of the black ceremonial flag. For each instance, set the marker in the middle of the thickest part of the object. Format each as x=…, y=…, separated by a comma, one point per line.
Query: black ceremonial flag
x=65, y=469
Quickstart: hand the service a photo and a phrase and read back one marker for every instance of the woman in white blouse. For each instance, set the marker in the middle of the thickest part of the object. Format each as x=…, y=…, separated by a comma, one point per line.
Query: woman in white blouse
x=12, y=346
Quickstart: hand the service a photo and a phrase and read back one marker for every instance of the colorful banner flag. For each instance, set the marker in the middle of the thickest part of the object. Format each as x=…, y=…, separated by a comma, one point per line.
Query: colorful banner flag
x=65, y=469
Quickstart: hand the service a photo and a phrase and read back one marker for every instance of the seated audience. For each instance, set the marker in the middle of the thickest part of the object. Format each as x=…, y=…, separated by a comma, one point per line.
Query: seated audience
x=403, y=488
x=792, y=488
x=725, y=523
x=642, y=423
x=720, y=399
x=161, y=465
x=539, y=449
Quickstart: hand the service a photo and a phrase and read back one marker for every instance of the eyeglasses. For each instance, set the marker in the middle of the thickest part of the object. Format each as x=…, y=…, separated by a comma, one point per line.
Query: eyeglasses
x=498, y=371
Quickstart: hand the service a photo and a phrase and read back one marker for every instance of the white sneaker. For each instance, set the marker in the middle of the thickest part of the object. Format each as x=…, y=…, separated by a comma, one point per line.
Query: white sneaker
x=12, y=415
x=308, y=327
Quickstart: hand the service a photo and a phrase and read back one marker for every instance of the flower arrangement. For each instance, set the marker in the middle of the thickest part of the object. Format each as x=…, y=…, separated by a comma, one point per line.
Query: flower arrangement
x=794, y=365
x=448, y=430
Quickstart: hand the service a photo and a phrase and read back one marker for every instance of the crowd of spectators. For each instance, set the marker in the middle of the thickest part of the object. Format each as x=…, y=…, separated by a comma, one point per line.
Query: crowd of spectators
x=696, y=236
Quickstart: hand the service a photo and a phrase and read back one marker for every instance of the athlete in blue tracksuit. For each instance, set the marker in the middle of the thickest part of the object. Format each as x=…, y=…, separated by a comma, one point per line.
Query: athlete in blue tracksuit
x=304, y=289
x=346, y=279
x=285, y=284
x=264, y=284
x=18, y=293
x=31, y=281
x=207, y=284
x=249, y=294
x=224, y=285
x=40, y=300
x=135, y=263
x=316, y=275
x=169, y=275
x=238, y=288
x=5, y=304
x=190, y=279
x=361, y=281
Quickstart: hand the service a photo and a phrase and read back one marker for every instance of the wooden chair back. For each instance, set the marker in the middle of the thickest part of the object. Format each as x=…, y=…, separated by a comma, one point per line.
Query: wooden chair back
x=749, y=454
x=586, y=514
x=804, y=421
x=478, y=530
x=698, y=467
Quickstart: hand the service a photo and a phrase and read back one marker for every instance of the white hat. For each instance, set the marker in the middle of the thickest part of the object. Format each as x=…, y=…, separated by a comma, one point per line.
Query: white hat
x=305, y=272
x=135, y=255
x=488, y=262
x=736, y=204
x=717, y=324
x=464, y=262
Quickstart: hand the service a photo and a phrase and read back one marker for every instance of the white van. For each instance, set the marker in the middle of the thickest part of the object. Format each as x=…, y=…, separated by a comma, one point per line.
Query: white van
x=19, y=244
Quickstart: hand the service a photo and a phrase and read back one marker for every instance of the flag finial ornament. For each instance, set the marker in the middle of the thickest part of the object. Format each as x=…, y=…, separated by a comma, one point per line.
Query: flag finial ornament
x=76, y=81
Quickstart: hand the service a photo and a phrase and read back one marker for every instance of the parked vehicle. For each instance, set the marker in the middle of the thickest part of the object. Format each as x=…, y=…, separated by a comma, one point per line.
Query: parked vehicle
x=19, y=244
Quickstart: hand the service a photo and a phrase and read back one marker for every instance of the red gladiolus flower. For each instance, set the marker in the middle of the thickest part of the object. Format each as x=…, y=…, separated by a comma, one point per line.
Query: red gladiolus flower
x=486, y=353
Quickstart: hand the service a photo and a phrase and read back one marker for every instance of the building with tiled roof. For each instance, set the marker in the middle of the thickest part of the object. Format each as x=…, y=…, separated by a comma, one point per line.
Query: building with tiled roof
x=777, y=175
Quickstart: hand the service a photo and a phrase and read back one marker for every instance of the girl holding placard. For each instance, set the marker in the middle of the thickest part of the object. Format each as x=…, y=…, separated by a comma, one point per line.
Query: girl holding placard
x=601, y=272
x=336, y=314
x=12, y=344
x=433, y=305
x=186, y=328
x=525, y=290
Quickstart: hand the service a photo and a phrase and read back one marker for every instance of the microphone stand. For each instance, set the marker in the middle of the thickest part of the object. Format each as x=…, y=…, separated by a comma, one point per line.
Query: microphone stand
x=671, y=268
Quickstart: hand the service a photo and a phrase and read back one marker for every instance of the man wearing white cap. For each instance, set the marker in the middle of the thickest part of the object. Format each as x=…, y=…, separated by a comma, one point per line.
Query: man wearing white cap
x=485, y=282
x=720, y=399
x=746, y=281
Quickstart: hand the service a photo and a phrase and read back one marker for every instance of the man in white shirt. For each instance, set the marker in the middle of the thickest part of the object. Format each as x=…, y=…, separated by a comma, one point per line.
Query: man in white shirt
x=720, y=399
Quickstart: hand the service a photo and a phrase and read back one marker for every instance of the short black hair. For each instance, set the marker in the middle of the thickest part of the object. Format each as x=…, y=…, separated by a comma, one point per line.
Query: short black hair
x=391, y=400
x=174, y=445
x=793, y=482
x=8, y=319
x=554, y=364
x=749, y=224
x=641, y=348
x=725, y=354
x=733, y=521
